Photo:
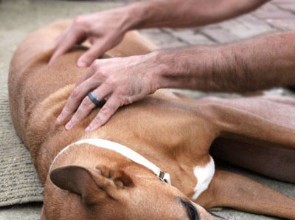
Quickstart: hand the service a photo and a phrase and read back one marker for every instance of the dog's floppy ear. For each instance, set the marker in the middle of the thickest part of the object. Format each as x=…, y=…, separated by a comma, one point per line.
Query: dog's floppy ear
x=91, y=184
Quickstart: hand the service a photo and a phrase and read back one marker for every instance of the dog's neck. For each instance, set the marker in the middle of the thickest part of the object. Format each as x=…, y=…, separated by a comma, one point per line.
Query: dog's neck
x=118, y=148
x=203, y=174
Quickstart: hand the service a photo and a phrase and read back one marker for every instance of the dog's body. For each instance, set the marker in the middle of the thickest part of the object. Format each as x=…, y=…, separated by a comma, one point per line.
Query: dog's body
x=173, y=132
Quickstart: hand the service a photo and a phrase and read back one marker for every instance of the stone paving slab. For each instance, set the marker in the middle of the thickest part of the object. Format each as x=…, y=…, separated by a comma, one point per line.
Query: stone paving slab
x=277, y=15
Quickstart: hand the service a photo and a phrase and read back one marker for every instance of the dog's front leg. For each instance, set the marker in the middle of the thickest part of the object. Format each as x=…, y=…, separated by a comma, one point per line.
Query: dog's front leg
x=256, y=120
x=250, y=130
x=232, y=190
x=257, y=134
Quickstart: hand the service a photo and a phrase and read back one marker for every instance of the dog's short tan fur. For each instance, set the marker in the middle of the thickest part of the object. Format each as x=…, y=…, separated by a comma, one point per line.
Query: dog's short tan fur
x=173, y=132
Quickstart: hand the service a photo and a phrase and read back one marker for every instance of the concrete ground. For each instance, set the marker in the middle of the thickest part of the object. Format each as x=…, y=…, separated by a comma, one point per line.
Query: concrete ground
x=18, y=17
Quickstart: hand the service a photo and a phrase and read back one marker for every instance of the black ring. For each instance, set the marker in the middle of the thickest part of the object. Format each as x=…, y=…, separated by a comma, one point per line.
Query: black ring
x=94, y=100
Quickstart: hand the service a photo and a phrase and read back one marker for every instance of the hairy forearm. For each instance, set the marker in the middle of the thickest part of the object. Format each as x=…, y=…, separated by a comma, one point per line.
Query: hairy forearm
x=259, y=63
x=186, y=13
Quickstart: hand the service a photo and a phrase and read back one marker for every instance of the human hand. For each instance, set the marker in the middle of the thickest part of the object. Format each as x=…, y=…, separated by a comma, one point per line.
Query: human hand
x=104, y=30
x=119, y=81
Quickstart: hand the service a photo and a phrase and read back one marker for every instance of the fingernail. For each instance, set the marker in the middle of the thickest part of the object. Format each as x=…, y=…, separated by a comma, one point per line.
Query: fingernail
x=81, y=63
x=60, y=118
x=91, y=127
x=50, y=63
x=69, y=125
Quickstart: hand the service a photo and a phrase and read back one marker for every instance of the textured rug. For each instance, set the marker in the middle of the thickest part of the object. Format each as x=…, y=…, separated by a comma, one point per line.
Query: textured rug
x=18, y=180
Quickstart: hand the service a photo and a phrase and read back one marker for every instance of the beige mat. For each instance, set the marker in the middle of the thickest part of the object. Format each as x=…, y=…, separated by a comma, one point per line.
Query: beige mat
x=18, y=180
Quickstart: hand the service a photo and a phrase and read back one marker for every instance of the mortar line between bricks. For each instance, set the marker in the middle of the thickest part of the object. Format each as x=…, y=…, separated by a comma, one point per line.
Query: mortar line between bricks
x=282, y=9
x=184, y=41
x=276, y=28
x=209, y=37
x=276, y=6
x=177, y=38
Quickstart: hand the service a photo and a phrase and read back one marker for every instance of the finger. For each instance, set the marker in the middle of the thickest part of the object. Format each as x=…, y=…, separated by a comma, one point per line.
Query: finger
x=87, y=105
x=61, y=36
x=86, y=76
x=76, y=97
x=67, y=41
x=92, y=70
x=105, y=113
x=95, y=51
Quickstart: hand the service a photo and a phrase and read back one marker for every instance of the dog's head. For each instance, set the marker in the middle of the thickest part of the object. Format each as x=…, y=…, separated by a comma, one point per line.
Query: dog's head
x=106, y=193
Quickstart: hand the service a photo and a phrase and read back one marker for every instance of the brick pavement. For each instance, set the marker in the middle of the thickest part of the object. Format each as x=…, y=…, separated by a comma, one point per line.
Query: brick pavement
x=277, y=15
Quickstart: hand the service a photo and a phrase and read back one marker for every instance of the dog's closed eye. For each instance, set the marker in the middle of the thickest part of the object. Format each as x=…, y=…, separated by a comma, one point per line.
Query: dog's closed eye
x=191, y=210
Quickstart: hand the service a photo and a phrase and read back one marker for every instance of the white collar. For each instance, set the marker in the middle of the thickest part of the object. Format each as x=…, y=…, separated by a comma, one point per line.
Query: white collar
x=121, y=149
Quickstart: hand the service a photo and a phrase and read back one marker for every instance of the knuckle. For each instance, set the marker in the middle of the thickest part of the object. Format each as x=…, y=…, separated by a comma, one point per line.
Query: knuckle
x=86, y=103
x=99, y=75
x=112, y=82
x=119, y=99
x=104, y=78
x=98, y=119
x=121, y=96
x=95, y=65
x=78, y=20
x=109, y=83
x=105, y=110
x=108, y=109
x=127, y=100
x=90, y=55
x=66, y=111
x=75, y=94
x=75, y=118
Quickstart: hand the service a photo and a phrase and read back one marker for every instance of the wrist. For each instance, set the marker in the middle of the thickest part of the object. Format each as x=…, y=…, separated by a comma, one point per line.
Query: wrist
x=165, y=61
x=127, y=17
x=157, y=13
x=153, y=70
x=189, y=68
x=136, y=15
x=167, y=65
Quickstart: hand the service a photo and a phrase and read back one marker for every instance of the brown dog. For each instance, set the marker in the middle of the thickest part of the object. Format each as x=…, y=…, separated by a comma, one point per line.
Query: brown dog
x=115, y=172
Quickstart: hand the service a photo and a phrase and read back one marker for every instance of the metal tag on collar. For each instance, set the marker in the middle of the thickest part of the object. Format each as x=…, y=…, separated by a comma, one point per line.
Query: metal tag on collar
x=163, y=176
